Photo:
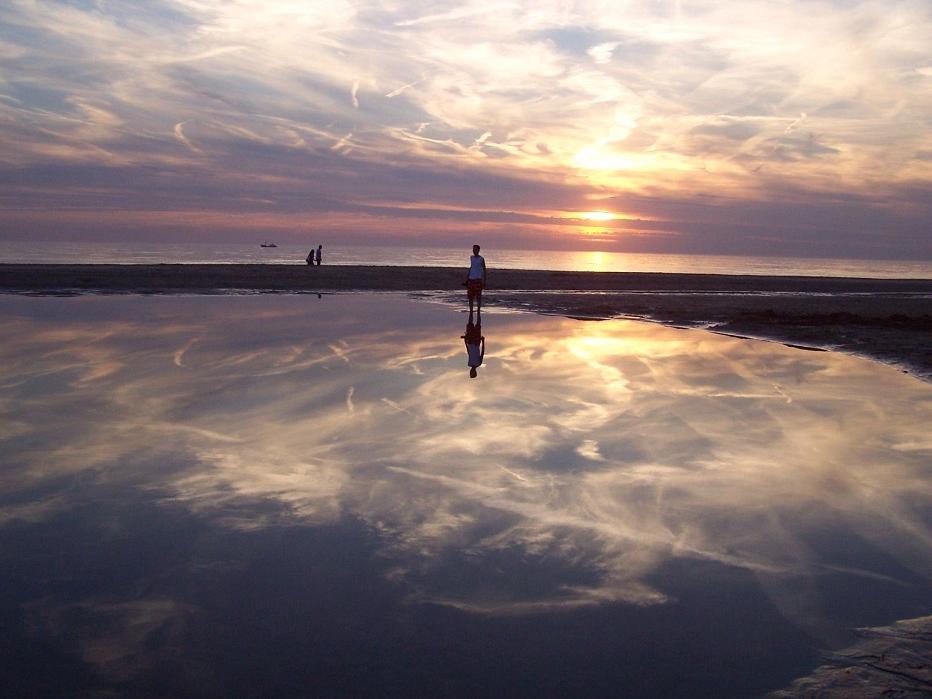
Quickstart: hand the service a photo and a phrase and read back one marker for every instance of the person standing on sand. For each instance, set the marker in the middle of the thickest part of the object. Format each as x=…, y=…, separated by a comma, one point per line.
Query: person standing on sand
x=475, y=279
x=319, y=247
x=310, y=257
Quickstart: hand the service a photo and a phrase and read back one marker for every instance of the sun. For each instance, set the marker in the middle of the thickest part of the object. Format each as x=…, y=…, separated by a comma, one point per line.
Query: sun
x=598, y=215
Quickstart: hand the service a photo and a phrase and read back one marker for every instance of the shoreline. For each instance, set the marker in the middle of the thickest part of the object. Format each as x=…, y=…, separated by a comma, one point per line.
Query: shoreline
x=889, y=320
x=155, y=278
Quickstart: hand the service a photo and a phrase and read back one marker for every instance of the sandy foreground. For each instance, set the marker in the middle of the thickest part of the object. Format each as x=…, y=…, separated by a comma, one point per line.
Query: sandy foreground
x=885, y=319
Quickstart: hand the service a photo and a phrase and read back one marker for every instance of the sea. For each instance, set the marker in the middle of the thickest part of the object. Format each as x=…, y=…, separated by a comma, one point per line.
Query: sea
x=557, y=260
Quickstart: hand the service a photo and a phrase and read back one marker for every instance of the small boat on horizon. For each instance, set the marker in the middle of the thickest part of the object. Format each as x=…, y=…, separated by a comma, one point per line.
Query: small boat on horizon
x=267, y=244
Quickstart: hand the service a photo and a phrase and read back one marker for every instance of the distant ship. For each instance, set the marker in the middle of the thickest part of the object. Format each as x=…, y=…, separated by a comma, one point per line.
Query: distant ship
x=268, y=245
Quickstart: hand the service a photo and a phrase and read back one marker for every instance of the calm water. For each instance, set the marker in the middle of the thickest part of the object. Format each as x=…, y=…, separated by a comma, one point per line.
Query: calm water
x=292, y=495
x=153, y=253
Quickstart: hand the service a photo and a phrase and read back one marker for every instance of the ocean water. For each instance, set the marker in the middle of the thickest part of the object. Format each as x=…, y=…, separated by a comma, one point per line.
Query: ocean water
x=587, y=261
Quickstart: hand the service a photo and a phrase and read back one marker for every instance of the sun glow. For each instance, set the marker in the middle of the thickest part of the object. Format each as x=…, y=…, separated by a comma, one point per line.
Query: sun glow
x=597, y=215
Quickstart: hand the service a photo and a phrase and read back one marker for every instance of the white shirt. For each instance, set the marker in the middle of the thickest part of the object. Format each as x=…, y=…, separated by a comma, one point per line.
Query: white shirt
x=474, y=356
x=476, y=267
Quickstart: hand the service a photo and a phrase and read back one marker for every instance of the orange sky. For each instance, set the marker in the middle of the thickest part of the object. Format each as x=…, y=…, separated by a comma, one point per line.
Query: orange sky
x=746, y=127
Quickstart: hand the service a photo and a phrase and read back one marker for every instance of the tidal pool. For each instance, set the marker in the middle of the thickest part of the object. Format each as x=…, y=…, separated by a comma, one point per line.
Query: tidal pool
x=293, y=495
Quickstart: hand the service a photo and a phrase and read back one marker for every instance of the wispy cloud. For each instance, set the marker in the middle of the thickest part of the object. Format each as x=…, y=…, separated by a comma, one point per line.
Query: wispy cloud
x=179, y=134
x=641, y=99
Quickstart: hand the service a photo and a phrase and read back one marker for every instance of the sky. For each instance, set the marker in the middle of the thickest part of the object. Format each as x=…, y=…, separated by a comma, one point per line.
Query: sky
x=778, y=127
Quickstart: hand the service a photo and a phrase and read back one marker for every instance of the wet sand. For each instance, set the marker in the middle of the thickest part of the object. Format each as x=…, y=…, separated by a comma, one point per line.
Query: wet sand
x=885, y=319
x=891, y=661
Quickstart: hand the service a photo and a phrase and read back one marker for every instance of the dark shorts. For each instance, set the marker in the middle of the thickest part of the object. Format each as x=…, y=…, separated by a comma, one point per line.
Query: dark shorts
x=473, y=334
x=474, y=288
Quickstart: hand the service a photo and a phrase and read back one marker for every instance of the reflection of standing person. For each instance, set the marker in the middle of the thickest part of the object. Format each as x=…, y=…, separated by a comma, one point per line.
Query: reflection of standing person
x=319, y=247
x=475, y=344
x=475, y=278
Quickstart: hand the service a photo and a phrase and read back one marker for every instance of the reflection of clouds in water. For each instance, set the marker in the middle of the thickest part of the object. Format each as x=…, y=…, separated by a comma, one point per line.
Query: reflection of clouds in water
x=115, y=636
x=610, y=446
x=178, y=357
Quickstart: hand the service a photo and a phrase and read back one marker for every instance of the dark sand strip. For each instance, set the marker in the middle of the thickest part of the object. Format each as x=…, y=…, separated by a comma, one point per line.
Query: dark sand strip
x=885, y=319
x=194, y=278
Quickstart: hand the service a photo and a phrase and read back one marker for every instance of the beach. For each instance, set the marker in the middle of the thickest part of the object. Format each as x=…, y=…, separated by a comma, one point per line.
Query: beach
x=888, y=320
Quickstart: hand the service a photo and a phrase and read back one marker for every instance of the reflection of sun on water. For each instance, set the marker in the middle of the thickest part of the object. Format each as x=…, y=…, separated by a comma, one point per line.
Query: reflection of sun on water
x=596, y=261
x=593, y=261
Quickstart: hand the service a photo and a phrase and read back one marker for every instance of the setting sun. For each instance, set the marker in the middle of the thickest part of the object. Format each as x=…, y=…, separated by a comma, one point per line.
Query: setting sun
x=598, y=216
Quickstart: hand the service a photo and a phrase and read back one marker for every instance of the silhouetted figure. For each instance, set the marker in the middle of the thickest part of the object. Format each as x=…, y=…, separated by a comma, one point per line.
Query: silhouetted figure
x=310, y=257
x=475, y=278
x=319, y=247
x=475, y=344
